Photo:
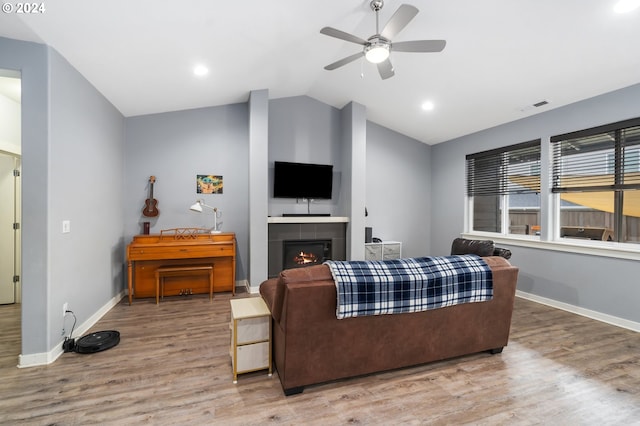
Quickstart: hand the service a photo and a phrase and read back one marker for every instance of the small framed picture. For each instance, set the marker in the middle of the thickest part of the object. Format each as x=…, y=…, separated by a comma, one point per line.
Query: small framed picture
x=209, y=184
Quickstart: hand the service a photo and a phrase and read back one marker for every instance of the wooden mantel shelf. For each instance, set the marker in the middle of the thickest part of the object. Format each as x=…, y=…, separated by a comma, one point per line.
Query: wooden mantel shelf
x=307, y=219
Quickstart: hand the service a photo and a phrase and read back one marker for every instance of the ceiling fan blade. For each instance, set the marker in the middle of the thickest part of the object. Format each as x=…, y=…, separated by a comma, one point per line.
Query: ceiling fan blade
x=332, y=32
x=419, y=46
x=385, y=69
x=344, y=61
x=399, y=20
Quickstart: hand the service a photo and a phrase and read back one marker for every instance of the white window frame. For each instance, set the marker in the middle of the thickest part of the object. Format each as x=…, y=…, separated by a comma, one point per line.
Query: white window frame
x=549, y=238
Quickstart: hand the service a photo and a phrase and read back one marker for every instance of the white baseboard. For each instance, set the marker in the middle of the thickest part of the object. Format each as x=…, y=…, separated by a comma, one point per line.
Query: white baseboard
x=34, y=360
x=243, y=284
x=598, y=316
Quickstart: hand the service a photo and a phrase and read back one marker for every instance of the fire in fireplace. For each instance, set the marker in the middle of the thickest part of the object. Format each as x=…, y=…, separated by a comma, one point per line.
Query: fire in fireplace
x=301, y=253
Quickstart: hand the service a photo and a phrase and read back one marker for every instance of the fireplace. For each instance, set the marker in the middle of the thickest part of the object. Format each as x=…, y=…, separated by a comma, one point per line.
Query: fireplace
x=331, y=229
x=301, y=253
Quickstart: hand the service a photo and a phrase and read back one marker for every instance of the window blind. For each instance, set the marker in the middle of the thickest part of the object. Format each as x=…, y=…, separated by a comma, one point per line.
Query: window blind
x=605, y=158
x=513, y=169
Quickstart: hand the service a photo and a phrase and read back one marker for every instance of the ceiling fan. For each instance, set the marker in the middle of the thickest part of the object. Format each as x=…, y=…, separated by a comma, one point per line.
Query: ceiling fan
x=378, y=47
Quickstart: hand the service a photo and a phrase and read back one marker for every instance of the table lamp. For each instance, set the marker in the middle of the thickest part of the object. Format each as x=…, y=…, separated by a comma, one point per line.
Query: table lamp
x=197, y=207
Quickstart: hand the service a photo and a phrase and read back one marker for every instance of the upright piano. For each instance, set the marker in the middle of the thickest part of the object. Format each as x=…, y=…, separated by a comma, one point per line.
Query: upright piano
x=180, y=247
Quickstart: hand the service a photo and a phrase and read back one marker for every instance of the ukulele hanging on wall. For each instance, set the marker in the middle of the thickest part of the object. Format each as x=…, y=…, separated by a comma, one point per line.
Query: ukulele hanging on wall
x=151, y=204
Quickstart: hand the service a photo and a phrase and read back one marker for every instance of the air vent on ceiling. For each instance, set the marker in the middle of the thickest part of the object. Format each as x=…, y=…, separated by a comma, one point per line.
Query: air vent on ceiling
x=535, y=105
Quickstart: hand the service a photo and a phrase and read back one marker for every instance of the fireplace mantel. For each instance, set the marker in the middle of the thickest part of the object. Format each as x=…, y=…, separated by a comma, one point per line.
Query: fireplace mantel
x=307, y=219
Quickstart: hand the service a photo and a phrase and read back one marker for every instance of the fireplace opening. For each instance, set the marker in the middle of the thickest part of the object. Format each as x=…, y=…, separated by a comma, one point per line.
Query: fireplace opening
x=301, y=253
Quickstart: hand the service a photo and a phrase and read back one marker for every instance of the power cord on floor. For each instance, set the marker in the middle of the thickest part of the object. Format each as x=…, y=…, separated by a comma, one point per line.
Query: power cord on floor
x=69, y=343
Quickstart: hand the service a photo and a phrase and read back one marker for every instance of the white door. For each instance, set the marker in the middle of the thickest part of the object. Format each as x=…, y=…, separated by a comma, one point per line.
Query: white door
x=9, y=233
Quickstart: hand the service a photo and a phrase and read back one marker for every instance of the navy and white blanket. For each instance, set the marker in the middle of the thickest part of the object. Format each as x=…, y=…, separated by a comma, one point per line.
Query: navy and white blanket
x=379, y=287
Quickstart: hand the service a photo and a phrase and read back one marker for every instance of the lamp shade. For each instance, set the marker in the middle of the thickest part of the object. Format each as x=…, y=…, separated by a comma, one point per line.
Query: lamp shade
x=197, y=207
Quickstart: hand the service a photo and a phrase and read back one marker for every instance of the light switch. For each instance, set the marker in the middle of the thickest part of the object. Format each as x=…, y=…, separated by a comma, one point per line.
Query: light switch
x=66, y=226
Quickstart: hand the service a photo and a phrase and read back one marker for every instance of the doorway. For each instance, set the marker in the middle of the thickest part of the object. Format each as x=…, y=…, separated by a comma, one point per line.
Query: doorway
x=10, y=290
x=10, y=214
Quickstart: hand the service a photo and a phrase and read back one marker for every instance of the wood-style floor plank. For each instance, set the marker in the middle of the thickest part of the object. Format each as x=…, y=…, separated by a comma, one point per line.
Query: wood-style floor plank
x=172, y=366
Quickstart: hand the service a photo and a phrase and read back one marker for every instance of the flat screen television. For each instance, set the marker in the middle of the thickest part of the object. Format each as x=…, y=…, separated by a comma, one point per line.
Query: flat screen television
x=302, y=180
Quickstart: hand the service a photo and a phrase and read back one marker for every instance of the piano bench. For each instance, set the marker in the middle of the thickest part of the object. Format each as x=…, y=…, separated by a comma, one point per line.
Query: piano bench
x=182, y=271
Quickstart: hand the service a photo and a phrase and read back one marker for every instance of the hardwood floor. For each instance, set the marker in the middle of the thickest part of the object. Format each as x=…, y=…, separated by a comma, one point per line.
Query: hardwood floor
x=172, y=366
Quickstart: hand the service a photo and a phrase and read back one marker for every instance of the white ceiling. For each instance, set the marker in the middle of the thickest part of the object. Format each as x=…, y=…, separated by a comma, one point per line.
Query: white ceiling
x=501, y=55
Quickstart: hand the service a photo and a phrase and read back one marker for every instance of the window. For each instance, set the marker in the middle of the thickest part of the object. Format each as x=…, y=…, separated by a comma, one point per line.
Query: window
x=596, y=175
x=505, y=180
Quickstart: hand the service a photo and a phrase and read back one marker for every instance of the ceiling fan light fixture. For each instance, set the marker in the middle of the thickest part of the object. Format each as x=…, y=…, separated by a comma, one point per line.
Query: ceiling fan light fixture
x=377, y=48
x=376, y=52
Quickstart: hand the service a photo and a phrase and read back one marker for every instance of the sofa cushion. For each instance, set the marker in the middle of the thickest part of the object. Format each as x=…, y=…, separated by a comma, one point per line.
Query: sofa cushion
x=482, y=248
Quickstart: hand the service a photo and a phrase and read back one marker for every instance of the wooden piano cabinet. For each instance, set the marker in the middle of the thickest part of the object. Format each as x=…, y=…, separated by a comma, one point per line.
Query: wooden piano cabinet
x=146, y=253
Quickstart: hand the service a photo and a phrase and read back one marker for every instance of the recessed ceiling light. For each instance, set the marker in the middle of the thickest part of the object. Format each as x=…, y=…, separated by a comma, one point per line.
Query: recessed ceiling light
x=624, y=6
x=200, y=70
x=428, y=106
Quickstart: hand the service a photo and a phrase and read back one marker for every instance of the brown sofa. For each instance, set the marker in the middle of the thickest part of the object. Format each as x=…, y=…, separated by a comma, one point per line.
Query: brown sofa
x=310, y=345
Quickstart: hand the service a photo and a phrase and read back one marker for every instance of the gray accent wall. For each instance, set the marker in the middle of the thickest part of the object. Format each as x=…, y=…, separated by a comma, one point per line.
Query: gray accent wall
x=175, y=147
x=603, y=284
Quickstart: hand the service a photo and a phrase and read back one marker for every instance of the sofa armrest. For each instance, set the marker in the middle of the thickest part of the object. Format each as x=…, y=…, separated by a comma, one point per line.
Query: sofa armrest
x=268, y=293
x=502, y=252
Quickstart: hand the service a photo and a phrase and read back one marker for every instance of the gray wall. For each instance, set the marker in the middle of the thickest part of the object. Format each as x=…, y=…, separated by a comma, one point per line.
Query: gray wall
x=398, y=188
x=602, y=284
x=178, y=145
x=71, y=169
x=354, y=152
x=175, y=147
x=258, y=185
x=302, y=129
x=85, y=187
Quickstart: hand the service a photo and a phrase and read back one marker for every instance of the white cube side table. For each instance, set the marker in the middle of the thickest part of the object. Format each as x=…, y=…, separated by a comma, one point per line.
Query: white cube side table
x=385, y=250
x=250, y=336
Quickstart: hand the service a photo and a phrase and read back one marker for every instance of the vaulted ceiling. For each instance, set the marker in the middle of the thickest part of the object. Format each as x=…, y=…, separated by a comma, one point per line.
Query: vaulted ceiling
x=501, y=57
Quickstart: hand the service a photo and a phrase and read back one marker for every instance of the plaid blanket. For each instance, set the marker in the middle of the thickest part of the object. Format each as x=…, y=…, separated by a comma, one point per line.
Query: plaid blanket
x=380, y=287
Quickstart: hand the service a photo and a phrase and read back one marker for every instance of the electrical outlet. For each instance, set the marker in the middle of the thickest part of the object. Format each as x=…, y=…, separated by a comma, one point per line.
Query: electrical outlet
x=65, y=308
